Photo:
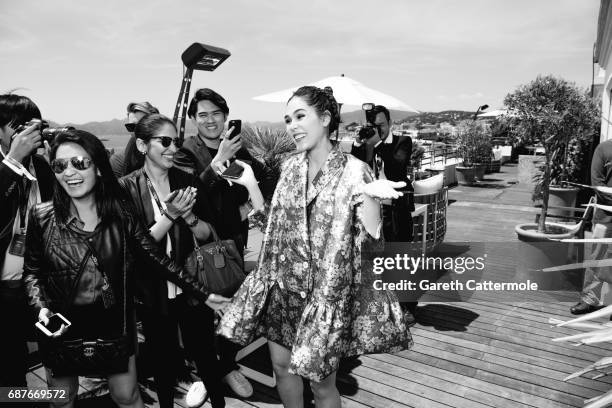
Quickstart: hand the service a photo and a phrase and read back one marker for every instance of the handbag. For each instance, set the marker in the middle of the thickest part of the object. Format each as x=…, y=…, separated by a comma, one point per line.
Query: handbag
x=217, y=265
x=93, y=357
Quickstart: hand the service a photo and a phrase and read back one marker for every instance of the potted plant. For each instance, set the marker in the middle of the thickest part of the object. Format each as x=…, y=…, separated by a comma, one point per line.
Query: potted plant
x=562, y=118
x=474, y=148
x=270, y=147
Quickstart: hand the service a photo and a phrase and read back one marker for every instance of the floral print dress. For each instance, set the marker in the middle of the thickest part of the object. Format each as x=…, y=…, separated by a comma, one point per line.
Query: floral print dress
x=309, y=292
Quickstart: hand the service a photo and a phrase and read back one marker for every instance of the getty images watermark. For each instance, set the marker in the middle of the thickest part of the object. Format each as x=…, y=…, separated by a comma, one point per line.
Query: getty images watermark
x=458, y=271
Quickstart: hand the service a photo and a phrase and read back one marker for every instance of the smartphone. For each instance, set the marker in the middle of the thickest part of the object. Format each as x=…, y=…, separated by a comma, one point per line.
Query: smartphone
x=55, y=323
x=237, y=125
x=234, y=171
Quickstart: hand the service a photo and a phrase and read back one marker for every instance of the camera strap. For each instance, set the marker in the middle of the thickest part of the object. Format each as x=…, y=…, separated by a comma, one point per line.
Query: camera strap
x=160, y=207
x=17, y=246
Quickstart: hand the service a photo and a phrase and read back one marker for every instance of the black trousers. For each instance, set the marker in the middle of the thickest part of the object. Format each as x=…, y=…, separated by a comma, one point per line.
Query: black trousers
x=197, y=329
x=397, y=220
x=397, y=227
x=17, y=322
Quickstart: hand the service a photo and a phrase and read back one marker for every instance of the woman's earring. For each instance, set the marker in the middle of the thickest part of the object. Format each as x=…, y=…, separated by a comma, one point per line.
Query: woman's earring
x=144, y=153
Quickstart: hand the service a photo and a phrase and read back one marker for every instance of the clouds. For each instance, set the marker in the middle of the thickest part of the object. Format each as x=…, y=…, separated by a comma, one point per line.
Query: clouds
x=463, y=96
x=433, y=54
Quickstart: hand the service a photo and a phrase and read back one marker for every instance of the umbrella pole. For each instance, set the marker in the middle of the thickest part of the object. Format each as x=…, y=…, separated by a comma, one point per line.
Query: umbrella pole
x=340, y=115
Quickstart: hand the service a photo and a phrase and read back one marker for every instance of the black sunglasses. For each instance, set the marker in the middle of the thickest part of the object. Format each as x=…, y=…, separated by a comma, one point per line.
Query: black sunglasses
x=78, y=162
x=130, y=127
x=167, y=140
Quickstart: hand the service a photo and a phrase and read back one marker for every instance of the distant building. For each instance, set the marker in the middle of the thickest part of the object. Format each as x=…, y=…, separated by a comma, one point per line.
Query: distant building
x=447, y=128
x=603, y=63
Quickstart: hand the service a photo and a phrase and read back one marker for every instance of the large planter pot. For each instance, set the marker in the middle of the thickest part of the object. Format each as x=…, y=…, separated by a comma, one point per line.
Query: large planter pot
x=537, y=251
x=465, y=175
x=494, y=166
x=562, y=197
x=480, y=171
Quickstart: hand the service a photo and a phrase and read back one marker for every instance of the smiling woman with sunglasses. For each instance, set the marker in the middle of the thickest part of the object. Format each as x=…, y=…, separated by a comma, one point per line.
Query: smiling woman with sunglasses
x=172, y=203
x=81, y=249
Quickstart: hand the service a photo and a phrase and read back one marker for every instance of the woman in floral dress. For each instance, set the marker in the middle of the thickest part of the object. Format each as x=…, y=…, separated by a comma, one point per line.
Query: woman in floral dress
x=309, y=295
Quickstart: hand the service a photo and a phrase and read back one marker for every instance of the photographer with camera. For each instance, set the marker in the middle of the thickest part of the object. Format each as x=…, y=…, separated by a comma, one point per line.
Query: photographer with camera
x=389, y=156
x=25, y=180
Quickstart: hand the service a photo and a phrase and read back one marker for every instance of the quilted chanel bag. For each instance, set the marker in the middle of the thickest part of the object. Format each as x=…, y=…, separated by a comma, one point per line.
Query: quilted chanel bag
x=97, y=356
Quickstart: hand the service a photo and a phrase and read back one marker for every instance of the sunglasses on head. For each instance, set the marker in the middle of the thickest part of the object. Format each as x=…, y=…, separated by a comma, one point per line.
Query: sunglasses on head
x=78, y=162
x=130, y=127
x=167, y=140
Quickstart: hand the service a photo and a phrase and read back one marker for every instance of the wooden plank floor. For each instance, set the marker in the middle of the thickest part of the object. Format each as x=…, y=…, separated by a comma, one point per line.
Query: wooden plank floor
x=478, y=353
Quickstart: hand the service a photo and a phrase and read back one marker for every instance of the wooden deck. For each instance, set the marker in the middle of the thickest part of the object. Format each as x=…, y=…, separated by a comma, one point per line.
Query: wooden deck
x=475, y=354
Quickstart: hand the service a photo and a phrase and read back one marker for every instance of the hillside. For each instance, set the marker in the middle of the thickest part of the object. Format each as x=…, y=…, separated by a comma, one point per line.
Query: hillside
x=116, y=126
x=452, y=116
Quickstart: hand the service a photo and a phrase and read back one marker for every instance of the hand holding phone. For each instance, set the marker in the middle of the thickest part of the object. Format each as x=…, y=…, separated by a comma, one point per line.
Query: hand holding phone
x=234, y=171
x=52, y=324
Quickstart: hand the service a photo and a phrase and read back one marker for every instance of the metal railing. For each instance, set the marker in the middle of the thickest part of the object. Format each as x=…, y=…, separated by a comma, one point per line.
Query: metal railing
x=435, y=155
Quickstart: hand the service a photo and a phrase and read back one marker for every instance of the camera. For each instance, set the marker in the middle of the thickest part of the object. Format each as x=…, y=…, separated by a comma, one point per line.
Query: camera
x=47, y=133
x=369, y=130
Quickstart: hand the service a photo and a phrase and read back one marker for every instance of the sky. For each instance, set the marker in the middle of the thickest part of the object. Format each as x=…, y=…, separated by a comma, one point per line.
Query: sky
x=84, y=61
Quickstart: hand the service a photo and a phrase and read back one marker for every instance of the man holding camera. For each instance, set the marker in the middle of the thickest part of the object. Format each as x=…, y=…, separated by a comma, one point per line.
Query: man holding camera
x=25, y=180
x=389, y=157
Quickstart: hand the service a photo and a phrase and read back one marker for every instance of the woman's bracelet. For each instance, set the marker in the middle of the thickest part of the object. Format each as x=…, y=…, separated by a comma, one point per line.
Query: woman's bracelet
x=193, y=223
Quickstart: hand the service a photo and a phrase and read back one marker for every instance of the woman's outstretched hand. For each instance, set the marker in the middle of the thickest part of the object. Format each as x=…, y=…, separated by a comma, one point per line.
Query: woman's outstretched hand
x=383, y=189
x=217, y=302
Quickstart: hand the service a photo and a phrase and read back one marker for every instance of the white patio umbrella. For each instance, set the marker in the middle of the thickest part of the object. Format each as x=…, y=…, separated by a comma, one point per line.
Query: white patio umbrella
x=347, y=91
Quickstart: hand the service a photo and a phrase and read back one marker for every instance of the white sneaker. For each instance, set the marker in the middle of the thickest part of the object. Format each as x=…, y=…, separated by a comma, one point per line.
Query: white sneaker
x=239, y=384
x=196, y=395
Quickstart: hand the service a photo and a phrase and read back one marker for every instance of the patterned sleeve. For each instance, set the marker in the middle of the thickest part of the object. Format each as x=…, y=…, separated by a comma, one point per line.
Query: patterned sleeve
x=364, y=243
x=366, y=176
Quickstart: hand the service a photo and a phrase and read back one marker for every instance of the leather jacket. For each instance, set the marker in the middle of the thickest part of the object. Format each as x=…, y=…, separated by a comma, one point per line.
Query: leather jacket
x=56, y=254
x=153, y=292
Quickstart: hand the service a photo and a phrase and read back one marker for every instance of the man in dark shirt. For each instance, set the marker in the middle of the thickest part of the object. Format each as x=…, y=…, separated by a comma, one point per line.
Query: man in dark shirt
x=389, y=157
x=601, y=175
x=128, y=160
x=207, y=154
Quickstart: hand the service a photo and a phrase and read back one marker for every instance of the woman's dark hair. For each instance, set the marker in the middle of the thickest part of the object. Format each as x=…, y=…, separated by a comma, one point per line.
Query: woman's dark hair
x=321, y=100
x=108, y=193
x=145, y=129
x=149, y=125
x=379, y=108
x=206, y=94
x=17, y=109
